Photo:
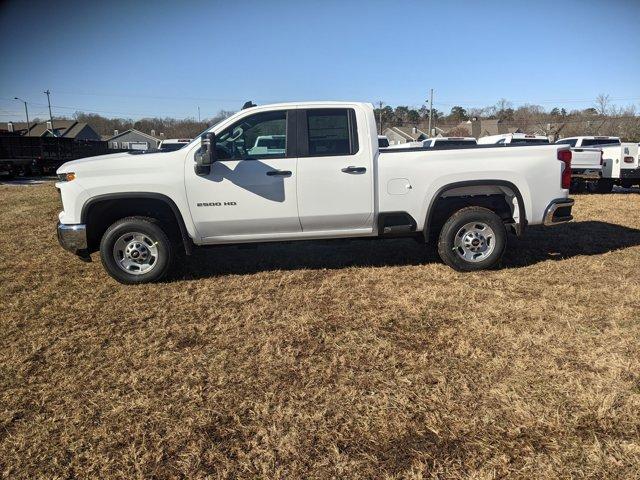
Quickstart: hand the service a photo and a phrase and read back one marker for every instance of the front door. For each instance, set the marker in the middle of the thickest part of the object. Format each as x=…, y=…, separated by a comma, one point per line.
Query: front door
x=335, y=172
x=251, y=189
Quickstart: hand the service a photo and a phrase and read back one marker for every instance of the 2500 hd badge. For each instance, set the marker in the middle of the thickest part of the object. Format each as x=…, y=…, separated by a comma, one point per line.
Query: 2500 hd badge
x=217, y=204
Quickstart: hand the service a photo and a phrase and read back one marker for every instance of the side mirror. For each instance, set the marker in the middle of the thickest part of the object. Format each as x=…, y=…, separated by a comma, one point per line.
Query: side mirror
x=207, y=154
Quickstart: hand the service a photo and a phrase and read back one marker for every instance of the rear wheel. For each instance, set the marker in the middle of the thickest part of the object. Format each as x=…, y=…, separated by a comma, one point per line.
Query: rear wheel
x=136, y=250
x=473, y=238
x=578, y=186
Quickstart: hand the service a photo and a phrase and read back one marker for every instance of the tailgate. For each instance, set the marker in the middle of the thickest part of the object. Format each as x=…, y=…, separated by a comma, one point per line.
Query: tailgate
x=586, y=159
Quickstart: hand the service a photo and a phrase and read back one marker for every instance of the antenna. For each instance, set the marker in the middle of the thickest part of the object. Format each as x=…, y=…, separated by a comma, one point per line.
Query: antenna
x=248, y=104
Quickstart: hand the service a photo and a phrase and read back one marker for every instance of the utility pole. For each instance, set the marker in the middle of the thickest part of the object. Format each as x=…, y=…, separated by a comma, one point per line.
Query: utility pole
x=198, y=113
x=47, y=92
x=430, y=111
x=26, y=111
x=380, y=116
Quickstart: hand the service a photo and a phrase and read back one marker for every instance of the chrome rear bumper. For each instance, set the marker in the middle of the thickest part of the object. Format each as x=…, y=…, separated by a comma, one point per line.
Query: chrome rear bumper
x=586, y=174
x=559, y=211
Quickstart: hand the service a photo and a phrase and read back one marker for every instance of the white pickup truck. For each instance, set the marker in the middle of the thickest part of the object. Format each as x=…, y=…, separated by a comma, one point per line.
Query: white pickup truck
x=586, y=163
x=619, y=161
x=438, y=142
x=332, y=181
x=514, y=139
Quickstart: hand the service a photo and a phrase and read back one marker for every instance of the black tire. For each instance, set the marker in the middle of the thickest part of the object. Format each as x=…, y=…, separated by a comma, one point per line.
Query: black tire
x=451, y=254
x=578, y=186
x=155, y=237
x=626, y=184
x=604, y=185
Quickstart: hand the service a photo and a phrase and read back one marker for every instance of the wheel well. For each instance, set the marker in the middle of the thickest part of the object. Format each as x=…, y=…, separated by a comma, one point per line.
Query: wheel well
x=100, y=214
x=504, y=201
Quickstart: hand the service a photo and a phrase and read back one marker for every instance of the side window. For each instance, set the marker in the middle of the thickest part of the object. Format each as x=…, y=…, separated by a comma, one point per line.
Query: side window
x=500, y=142
x=332, y=132
x=263, y=135
x=571, y=143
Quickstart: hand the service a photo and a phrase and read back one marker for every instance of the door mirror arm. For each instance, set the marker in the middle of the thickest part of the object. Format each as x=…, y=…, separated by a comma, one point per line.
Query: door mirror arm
x=207, y=154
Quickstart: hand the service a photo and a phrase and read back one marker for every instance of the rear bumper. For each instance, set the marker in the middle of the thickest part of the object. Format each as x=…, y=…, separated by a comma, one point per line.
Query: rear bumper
x=559, y=211
x=73, y=238
x=586, y=173
x=629, y=173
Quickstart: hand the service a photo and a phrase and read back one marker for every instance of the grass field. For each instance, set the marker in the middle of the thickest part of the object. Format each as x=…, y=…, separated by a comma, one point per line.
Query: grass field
x=352, y=359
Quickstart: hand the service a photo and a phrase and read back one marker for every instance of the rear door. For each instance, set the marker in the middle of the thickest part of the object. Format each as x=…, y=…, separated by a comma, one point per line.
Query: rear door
x=335, y=172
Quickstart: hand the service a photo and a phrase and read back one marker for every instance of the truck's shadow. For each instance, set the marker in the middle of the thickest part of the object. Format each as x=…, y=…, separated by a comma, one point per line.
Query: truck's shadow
x=539, y=244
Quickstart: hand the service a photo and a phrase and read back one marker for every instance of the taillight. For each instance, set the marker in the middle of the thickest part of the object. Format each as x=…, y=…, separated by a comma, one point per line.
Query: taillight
x=628, y=160
x=565, y=157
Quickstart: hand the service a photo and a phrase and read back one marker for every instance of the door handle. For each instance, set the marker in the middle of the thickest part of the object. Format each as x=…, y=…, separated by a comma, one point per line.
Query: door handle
x=279, y=173
x=352, y=169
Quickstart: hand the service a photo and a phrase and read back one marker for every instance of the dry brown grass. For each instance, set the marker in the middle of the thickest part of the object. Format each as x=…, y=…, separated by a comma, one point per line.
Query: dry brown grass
x=317, y=360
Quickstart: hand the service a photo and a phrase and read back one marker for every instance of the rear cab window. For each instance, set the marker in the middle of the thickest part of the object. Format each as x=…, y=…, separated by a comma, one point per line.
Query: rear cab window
x=331, y=132
x=571, y=143
x=454, y=143
x=590, y=142
x=530, y=141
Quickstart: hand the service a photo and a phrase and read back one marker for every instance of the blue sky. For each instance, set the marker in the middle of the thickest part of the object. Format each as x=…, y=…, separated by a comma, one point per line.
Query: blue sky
x=135, y=59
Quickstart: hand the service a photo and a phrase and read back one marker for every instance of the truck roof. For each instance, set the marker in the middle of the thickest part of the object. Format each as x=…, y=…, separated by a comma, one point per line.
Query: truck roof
x=177, y=140
x=591, y=137
x=328, y=103
x=514, y=135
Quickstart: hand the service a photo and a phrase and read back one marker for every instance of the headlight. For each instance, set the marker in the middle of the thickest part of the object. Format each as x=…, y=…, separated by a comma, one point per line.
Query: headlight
x=66, y=177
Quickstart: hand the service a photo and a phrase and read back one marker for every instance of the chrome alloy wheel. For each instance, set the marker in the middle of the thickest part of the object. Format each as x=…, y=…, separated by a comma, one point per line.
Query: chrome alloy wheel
x=474, y=241
x=135, y=253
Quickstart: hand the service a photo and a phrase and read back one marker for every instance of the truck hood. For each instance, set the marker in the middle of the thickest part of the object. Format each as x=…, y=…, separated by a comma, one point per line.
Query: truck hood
x=114, y=160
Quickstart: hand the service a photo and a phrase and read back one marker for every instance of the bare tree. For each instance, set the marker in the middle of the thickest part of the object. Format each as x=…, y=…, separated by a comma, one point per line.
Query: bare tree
x=602, y=103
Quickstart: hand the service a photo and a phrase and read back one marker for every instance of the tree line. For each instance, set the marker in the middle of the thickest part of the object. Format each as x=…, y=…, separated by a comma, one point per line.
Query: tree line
x=603, y=118
x=170, y=127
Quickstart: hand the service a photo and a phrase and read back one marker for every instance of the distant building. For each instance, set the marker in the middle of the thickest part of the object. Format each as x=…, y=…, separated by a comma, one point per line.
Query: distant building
x=483, y=127
x=132, y=139
x=59, y=128
x=398, y=135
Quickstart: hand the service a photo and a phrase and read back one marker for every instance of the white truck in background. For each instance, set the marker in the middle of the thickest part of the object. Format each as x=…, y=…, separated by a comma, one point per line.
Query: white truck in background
x=619, y=161
x=331, y=181
x=173, y=144
x=383, y=141
x=439, y=142
x=449, y=142
x=514, y=139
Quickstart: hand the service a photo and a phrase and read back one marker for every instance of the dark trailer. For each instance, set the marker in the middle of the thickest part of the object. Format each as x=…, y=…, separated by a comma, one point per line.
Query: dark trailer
x=43, y=155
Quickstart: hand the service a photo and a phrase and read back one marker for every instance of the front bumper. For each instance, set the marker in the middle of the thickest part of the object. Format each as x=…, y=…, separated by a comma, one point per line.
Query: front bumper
x=559, y=211
x=73, y=238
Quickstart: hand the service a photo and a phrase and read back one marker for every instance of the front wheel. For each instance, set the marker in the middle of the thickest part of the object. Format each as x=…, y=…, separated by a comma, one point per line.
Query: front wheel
x=136, y=250
x=473, y=238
